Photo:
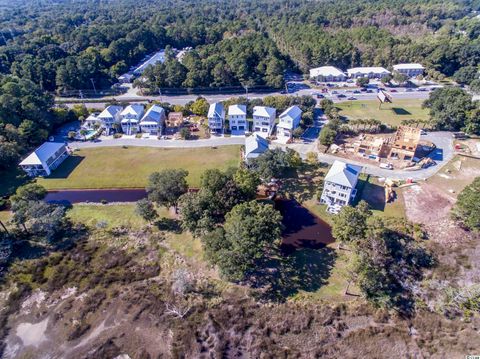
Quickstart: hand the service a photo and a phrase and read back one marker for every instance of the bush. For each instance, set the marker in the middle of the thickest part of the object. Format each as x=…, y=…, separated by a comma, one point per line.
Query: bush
x=117, y=135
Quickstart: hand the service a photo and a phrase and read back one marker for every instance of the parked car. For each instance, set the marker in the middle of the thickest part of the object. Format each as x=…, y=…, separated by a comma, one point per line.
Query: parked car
x=386, y=166
x=356, y=91
x=409, y=90
x=319, y=95
x=393, y=90
x=341, y=95
x=423, y=89
x=351, y=98
x=334, y=92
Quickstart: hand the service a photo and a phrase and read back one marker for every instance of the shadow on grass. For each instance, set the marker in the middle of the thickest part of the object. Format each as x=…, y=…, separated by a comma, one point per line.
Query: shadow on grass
x=400, y=111
x=300, y=183
x=11, y=179
x=284, y=276
x=169, y=224
x=67, y=167
x=371, y=193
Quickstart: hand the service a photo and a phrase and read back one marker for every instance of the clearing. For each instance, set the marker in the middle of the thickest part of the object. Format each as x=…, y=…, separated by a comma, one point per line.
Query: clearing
x=390, y=113
x=120, y=167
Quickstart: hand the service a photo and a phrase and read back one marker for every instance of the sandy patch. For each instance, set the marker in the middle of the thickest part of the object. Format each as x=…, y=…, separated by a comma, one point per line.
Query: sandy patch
x=32, y=334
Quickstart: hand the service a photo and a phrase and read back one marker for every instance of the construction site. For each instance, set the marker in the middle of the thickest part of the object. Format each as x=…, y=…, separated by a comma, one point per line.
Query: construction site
x=403, y=149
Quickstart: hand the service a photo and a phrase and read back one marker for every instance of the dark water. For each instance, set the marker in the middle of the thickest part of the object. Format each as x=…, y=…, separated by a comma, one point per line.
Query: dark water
x=302, y=228
x=96, y=195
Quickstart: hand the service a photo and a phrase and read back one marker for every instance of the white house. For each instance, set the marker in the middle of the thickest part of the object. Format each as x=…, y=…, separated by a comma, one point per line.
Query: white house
x=255, y=145
x=369, y=72
x=216, y=117
x=92, y=121
x=237, y=118
x=45, y=159
x=411, y=70
x=264, y=120
x=153, y=120
x=130, y=119
x=289, y=120
x=109, y=117
x=327, y=73
x=339, y=184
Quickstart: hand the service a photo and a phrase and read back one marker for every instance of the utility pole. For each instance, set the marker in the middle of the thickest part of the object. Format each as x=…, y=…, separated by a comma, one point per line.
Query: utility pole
x=246, y=91
x=160, y=93
x=93, y=84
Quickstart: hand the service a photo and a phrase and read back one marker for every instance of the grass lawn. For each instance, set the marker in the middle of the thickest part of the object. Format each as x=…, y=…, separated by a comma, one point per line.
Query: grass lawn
x=118, y=167
x=390, y=113
x=115, y=215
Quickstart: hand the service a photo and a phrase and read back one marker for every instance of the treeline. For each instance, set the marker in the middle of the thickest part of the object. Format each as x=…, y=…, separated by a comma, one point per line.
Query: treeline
x=71, y=45
x=249, y=60
x=27, y=117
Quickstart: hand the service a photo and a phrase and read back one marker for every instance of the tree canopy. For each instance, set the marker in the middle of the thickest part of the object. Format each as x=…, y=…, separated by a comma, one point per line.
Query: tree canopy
x=467, y=208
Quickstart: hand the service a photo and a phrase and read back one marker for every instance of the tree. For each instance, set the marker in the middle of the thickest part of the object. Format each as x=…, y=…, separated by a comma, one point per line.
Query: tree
x=274, y=163
x=386, y=79
x=248, y=182
x=251, y=234
x=350, y=224
x=29, y=192
x=465, y=75
x=184, y=133
x=200, y=107
x=472, y=126
x=84, y=132
x=467, y=208
x=400, y=78
x=475, y=86
x=449, y=107
x=327, y=136
x=362, y=81
x=213, y=180
x=166, y=187
x=146, y=210
x=9, y=153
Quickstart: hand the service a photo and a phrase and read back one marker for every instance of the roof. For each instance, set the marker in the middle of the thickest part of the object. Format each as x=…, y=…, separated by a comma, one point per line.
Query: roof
x=255, y=145
x=110, y=111
x=326, y=71
x=42, y=153
x=240, y=110
x=92, y=117
x=344, y=174
x=263, y=111
x=368, y=70
x=132, y=109
x=153, y=115
x=216, y=109
x=411, y=66
x=292, y=113
x=157, y=57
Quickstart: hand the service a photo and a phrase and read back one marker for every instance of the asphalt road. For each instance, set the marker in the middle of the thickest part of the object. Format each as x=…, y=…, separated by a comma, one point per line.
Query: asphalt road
x=131, y=96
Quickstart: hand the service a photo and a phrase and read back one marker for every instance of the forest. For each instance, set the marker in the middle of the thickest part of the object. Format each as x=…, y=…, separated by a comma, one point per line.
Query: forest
x=69, y=45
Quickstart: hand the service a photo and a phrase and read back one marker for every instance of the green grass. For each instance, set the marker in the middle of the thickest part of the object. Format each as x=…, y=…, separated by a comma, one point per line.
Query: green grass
x=391, y=114
x=118, y=167
x=115, y=215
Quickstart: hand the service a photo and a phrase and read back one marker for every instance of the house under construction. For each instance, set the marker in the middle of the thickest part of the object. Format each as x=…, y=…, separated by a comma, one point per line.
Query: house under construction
x=369, y=145
x=405, y=143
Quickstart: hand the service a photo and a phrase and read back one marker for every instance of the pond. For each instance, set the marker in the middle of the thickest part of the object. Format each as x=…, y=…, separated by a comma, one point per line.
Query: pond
x=96, y=195
x=302, y=228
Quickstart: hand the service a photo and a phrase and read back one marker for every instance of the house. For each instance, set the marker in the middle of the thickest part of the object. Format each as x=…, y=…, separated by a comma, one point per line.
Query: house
x=216, y=117
x=339, y=184
x=237, y=117
x=255, y=145
x=153, y=120
x=174, y=120
x=125, y=78
x=289, y=120
x=371, y=146
x=109, y=117
x=327, y=74
x=92, y=121
x=405, y=143
x=410, y=70
x=368, y=72
x=45, y=159
x=130, y=119
x=264, y=120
